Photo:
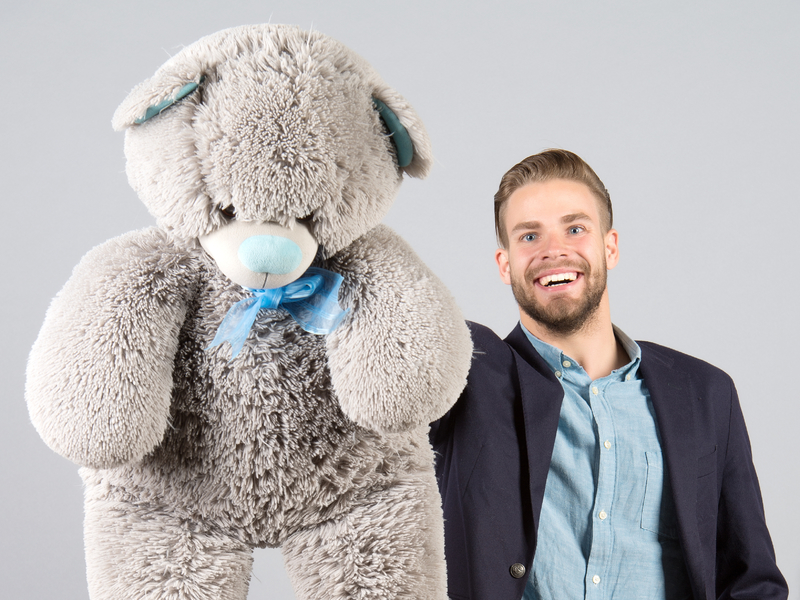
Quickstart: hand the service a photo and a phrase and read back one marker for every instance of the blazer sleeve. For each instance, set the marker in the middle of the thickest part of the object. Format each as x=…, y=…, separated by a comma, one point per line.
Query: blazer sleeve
x=746, y=566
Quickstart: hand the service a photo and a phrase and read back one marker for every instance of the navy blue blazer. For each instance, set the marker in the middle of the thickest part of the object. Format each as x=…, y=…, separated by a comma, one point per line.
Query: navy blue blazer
x=493, y=454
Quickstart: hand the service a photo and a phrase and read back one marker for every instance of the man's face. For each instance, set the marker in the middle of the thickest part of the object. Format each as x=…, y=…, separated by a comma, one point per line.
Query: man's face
x=557, y=254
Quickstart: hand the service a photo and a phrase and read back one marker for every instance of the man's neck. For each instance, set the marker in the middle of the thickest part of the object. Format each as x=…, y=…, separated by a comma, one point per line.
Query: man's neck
x=594, y=345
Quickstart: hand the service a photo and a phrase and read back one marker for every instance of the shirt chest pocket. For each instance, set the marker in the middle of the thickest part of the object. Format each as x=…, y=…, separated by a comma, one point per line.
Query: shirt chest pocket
x=658, y=509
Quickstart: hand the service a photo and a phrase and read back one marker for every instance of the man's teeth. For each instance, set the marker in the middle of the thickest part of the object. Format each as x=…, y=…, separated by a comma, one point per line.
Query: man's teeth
x=558, y=279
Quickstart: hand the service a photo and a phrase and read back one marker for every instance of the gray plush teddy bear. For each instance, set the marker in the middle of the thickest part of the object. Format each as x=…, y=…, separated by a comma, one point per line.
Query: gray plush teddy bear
x=260, y=368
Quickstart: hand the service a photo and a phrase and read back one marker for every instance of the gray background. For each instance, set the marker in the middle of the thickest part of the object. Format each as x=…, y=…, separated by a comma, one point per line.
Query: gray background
x=688, y=110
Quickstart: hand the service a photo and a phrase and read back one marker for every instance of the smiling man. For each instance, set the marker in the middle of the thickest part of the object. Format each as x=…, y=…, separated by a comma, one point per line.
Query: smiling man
x=578, y=463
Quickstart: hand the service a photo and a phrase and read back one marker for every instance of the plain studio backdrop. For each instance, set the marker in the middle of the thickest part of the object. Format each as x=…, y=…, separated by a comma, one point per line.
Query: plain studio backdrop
x=688, y=111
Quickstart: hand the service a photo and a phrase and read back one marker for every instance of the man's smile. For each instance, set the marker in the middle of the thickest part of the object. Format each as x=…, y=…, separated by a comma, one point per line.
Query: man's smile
x=558, y=279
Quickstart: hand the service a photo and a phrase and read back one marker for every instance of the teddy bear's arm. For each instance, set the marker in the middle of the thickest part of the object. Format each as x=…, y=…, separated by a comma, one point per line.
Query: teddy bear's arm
x=401, y=356
x=99, y=376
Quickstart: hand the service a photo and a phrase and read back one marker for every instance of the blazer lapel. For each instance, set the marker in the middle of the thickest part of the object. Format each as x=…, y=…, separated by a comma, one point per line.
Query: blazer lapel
x=671, y=392
x=541, y=395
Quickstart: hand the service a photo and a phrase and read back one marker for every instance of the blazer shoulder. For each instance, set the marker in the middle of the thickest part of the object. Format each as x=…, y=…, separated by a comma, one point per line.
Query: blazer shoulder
x=492, y=375
x=489, y=351
x=655, y=355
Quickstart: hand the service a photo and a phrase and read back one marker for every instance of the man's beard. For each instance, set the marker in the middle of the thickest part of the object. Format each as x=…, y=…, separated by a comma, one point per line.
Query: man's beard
x=562, y=316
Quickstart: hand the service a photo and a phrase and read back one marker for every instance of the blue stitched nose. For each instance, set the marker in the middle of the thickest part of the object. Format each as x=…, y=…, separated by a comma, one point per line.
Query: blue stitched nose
x=270, y=254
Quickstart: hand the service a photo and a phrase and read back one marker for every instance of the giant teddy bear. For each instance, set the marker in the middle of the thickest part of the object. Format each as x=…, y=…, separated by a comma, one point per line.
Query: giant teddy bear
x=259, y=369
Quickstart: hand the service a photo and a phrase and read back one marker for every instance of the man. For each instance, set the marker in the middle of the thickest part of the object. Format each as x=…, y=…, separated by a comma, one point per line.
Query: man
x=578, y=463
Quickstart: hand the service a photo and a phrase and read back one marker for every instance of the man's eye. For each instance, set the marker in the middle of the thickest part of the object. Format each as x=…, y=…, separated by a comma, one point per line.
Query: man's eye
x=228, y=212
x=576, y=229
x=528, y=237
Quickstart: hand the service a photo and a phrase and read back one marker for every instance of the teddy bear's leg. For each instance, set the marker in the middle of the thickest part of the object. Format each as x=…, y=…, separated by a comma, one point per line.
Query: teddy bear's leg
x=137, y=552
x=389, y=547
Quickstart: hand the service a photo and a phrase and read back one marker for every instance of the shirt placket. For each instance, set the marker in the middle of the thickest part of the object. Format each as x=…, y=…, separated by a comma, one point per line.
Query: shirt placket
x=597, y=568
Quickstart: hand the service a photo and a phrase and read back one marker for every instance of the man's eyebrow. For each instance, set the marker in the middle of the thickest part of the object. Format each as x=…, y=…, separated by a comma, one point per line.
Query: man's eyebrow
x=526, y=225
x=575, y=217
x=579, y=216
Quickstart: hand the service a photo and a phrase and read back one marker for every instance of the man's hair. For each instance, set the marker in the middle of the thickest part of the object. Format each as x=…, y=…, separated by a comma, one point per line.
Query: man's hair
x=547, y=165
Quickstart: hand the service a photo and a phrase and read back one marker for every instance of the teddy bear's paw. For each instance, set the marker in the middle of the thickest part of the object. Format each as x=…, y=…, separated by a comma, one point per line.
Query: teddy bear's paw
x=401, y=358
x=99, y=376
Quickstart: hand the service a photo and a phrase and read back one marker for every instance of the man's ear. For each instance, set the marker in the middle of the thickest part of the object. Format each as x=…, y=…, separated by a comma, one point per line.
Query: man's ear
x=612, y=248
x=501, y=258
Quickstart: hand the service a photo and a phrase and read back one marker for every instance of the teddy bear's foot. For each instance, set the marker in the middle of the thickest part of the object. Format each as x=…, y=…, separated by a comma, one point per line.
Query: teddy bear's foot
x=389, y=547
x=137, y=552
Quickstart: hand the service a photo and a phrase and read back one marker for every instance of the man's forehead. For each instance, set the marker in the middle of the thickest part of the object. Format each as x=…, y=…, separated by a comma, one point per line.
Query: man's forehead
x=556, y=198
x=554, y=189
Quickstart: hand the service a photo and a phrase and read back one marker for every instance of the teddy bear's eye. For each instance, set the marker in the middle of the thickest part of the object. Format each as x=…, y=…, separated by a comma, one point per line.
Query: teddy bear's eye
x=228, y=212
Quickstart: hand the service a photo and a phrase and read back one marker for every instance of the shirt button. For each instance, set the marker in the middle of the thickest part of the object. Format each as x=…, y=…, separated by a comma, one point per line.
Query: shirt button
x=567, y=364
x=603, y=514
x=596, y=579
x=607, y=444
x=595, y=391
x=628, y=377
x=517, y=570
x=558, y=373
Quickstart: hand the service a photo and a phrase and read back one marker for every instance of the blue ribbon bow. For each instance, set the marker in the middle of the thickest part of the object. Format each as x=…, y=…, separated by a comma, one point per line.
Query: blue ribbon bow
x=312, y=301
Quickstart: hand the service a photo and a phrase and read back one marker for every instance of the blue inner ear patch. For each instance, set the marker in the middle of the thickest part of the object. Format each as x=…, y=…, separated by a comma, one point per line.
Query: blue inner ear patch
x=400, y=137
x=156, y=109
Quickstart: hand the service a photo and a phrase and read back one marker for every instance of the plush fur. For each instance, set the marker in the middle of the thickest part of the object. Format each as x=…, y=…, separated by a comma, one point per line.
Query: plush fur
x=314, y=443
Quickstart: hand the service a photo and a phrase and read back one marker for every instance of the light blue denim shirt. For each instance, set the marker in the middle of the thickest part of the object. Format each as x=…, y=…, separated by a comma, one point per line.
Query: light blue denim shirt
x=607, y=527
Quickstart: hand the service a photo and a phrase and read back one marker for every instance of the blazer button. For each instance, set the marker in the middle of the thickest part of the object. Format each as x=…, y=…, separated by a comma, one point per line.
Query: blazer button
x=517, y=570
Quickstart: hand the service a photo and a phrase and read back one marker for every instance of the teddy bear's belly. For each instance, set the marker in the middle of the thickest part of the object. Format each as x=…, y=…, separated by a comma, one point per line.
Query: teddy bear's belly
x=259, y=447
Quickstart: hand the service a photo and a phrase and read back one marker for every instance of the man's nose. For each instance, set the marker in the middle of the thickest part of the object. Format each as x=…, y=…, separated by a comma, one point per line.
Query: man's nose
x=553, y=247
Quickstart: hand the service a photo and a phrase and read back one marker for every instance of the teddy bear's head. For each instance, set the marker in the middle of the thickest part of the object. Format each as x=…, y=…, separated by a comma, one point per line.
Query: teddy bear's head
x=266, y=142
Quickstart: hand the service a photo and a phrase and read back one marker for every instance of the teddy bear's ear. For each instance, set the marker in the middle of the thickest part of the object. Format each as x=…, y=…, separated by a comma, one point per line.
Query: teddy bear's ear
x=408, y=133
x=152, y=97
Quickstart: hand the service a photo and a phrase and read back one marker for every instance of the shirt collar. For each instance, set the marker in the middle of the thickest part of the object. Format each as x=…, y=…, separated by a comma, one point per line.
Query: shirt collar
x=555, y=358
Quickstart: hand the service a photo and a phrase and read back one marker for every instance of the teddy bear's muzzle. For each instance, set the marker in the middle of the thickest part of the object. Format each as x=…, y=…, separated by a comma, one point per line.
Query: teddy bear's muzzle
x=270, y=254
x=261, y=255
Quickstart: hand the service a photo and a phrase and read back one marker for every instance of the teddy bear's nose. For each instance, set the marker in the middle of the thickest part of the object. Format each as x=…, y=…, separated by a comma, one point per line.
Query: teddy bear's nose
x=270, y=254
